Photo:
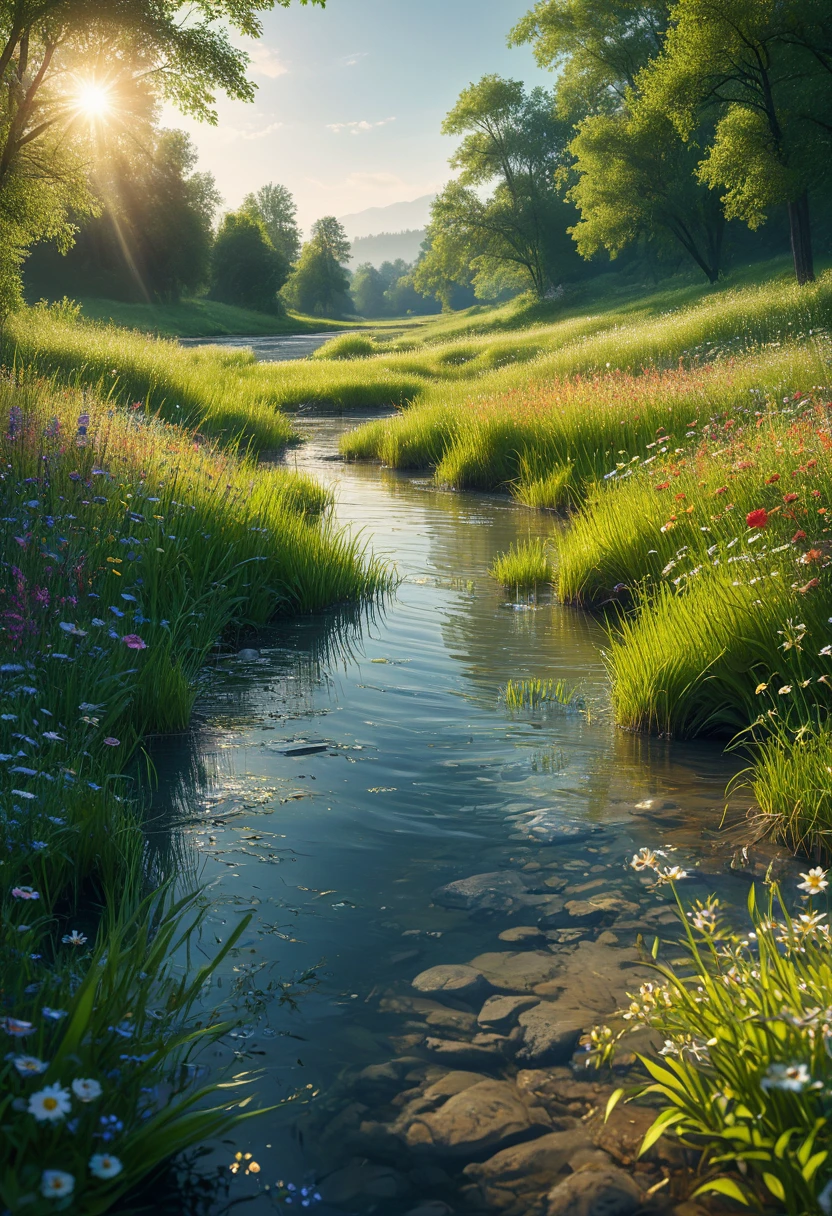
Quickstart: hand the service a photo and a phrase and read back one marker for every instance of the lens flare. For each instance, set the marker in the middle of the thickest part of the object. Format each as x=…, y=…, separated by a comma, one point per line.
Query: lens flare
x=93, y=100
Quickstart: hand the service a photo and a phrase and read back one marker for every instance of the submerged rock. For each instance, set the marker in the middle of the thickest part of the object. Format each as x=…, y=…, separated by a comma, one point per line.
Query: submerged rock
x=521, y=933
x=550, y=1035
x=549, y=826
x=453, y=979
x=501, y=891
x=516, y=970
x=513, y=1179
x=247, y=655
x=476, y=1122
x=360, y=1178
x=601, y=1191
x=500, y=1012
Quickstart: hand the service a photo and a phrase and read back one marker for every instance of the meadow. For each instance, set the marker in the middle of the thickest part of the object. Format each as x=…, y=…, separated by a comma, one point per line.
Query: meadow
x=133, y=549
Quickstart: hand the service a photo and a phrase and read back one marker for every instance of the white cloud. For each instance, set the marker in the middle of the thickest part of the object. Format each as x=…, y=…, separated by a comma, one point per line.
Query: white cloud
x=273, y=126
x=351, y=60
x=264, y=61
x=355, y=128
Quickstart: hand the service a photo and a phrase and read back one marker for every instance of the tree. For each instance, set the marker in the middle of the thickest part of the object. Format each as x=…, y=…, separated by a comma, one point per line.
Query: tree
x=319, y=283
x=513, y=143
x=763, y=68
x=636, y=179
x=67, y=65
x=367, y=290
x=597, y=46
x=246, y=269
x=274, y=206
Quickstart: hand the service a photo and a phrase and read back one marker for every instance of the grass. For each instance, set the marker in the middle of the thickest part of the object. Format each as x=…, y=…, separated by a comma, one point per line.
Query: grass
x=527, y=564
x=202, y=318
x=132, y=547
x=347, y=346
x=535, y=693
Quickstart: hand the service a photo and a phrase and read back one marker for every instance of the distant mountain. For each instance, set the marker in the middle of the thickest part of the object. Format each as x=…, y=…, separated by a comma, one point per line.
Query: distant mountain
x=387, y=247
x=395, y=218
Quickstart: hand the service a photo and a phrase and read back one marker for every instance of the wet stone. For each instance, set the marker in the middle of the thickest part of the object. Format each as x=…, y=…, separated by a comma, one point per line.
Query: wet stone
x=521, y=933
x=548, y=826
x=501, y=1012
x=459, y=1054
x=550, y=1036
x=476, y=1122
x=247, y=655
x=501, y=891
x=453, y=1020
x=602, y=1191
x=453, y=979
x=515, y=1180
x=516, y=971
x=361, y=1178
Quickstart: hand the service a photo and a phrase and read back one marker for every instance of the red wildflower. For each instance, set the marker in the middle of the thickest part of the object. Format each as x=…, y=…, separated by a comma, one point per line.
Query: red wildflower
x=758, y=518
x=679, y=497
x=662, y=485
x=790, y=498
x=774, y=477
x=812, y=583
x=798, y=536
x=811, y=555
x=721, y=490
x=816, y=493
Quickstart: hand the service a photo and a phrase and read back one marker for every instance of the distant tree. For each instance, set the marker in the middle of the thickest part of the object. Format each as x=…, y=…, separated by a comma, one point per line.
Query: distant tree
x=246, y=269
x=319, y=282
x=367, y=290
x=274, y=206
x=763, y=70
x=403, y=298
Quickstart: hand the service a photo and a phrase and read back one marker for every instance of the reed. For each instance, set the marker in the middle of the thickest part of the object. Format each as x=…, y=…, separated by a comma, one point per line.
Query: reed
x=527, y=564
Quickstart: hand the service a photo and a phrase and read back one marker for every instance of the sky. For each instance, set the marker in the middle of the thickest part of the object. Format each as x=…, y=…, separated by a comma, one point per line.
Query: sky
x=351, y=98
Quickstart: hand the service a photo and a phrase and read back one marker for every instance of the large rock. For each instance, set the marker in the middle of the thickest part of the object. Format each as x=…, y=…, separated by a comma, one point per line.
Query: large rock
x=477, y=1122
x=454, y=980
x=361, y=1179
x=550, y=1036
x=516, y=970
x=594, y=980
x=459, y=1054
x=500, y=1012
x=602, y=1191
x=513, y=1180
x=501, y=891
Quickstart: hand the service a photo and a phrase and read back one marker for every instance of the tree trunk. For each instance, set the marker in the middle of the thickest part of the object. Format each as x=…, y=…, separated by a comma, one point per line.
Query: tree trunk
x=800, y=230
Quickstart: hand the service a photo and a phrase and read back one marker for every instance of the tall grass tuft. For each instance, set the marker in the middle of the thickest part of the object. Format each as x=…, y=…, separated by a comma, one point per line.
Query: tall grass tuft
x=535, y=693
x=527, y=564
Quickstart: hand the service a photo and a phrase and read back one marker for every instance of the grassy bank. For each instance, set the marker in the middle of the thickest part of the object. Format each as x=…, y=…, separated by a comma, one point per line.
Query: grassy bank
x=130, y=547
x=202, y=318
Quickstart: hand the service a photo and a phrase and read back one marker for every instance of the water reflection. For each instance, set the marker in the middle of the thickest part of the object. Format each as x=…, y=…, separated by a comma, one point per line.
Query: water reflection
x=363, y=759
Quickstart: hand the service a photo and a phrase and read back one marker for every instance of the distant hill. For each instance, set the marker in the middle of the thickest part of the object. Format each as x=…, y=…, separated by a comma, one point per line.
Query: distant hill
x=387, y=246
x=395, y=218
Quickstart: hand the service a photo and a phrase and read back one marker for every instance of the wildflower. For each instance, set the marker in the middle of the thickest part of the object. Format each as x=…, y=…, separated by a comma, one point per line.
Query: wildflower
x=56, y=1184
x=54, y=1015
x=133, y=642
x=16, y=1027
x=791, y=1077
x=103, y=1165
x=810, y=556
x=814, y=882
x=760, y=688
x=810, y=586
x=110, y=741
x=50, y=1104
x=669, y=1049
x=24, y=893
x=793, y=634
x=86, y=1089
x=672, y=874
x=790, y=498
x=784, y=691
x=644, y=859
x=28, y=1066
x=663, y=485
x=771, y=480
x=721, y=490
x=757, y=518
x=799, y=535
x=74, y=938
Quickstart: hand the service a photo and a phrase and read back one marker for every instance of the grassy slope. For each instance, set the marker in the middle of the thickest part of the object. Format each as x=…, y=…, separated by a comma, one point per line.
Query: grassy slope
x=204, y=319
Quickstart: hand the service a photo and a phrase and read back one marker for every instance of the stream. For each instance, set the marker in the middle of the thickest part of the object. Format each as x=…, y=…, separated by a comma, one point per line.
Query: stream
x=336, y=781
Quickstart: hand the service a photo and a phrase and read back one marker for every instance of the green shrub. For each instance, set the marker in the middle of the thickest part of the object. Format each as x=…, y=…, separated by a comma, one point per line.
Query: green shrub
x=526, y=564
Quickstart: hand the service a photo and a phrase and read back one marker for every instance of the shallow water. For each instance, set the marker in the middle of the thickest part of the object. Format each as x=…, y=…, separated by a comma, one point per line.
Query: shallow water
x=271, y=348
x=408, y=772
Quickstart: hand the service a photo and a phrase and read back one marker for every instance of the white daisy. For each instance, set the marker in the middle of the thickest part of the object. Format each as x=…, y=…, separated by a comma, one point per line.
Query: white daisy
x=104, y=1165
x=56, y=1184
x=28, y=1066
x=50, y=1104
x=86, y=1089
x=814, y=882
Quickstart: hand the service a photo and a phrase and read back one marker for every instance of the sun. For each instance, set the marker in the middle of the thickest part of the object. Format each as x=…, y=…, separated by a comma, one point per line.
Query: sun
x=93, y=100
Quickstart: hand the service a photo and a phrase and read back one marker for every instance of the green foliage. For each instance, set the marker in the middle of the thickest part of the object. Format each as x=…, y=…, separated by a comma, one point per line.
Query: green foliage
x=274, y=206
x=536, y=693
x=367, y=289
x=745, y=1076
x=319, y=283
x=347, y=346
x=246, y=269
x=511, y=141
x=526, y=564
x=789, y=781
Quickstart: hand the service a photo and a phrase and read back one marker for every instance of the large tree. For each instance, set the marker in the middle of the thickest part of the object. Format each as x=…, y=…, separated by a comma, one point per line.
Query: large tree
x=246, y=269
x=64, y=63
x=275, y=207
x=512, y=143
x=319, y=282
x=763, y=69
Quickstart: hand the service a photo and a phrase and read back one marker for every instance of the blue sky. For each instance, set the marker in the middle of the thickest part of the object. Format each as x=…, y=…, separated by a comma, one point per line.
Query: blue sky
x=351, y=97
